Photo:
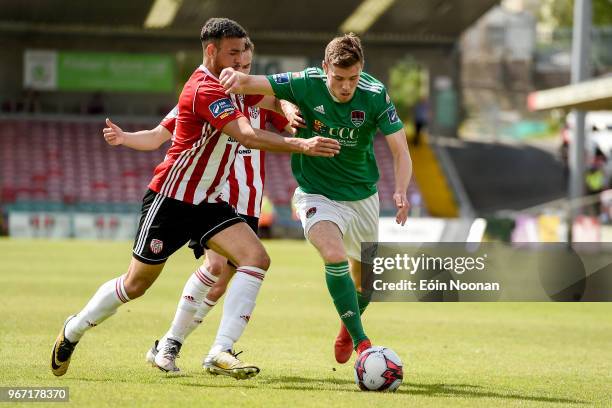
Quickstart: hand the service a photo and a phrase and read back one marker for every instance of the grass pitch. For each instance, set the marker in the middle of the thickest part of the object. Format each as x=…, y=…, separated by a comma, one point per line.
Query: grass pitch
x=455, y=355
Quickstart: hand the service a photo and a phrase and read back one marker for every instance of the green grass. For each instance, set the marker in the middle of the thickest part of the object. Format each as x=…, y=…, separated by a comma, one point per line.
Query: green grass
x=455, y=355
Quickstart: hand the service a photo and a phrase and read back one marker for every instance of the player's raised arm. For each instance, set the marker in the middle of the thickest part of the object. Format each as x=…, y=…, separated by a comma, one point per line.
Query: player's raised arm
x=238, y=83
x=241, y=130
x=402, y=166
x=141, y=140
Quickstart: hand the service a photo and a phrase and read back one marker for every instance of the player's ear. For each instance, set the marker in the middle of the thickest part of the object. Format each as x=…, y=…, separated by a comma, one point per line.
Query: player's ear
x=211, y=50
x=324, y=65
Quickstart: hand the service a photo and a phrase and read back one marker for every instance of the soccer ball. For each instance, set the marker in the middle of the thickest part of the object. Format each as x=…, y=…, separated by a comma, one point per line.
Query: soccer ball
x=378, y=369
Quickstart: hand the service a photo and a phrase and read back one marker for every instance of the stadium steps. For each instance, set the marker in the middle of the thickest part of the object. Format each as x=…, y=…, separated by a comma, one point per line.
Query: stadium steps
x=435, y=189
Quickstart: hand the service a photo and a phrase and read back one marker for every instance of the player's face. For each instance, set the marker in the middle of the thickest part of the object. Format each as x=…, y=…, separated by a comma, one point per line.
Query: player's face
x=228, y=54
x=247, y=59
x=342, y=82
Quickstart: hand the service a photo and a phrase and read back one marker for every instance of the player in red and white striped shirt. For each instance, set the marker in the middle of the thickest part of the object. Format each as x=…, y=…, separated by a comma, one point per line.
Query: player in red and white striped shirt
x=243, y=191
x=182, y=205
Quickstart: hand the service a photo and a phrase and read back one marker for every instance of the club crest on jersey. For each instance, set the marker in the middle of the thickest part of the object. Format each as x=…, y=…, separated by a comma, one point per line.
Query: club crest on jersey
x=281, y=78
x=254, y=112
x=357, y=117
x=392, y=114
x=221, y=108
x=156, y=246
x=311, y=211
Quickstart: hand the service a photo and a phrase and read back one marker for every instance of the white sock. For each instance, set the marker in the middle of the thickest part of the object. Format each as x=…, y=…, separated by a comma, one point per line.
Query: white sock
x=100, y=307
x=199, y=316
x=238, y=306
x=194, y=292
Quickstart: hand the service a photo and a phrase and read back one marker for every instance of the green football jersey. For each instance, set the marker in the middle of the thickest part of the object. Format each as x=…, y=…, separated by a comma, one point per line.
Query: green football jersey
x=352, y=174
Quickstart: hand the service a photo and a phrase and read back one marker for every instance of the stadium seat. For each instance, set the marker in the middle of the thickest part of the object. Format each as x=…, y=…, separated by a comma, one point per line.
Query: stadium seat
x=68, y=162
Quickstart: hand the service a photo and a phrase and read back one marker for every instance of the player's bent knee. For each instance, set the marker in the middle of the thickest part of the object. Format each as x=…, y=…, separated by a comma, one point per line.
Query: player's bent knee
x=259, y=259
x=333, y=256
x=262, y=261
x=135, y=288
x=140, y=277
x=215, y=267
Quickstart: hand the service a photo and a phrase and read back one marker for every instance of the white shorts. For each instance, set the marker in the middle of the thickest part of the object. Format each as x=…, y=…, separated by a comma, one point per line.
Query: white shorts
x=357, y=220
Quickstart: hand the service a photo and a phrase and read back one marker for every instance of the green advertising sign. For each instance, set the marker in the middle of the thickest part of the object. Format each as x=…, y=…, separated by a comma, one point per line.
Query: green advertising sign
x=92, y=71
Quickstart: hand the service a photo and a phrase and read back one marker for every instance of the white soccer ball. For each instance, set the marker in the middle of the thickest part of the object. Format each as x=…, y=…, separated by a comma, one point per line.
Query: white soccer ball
x=378, y=369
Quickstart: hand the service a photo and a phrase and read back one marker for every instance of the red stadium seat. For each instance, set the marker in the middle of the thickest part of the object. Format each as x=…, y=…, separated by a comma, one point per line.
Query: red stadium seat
x=69, y=162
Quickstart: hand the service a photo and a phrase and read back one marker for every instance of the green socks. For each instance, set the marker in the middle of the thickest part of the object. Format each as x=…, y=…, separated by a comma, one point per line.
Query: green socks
x=342, y=290
x=363, y=302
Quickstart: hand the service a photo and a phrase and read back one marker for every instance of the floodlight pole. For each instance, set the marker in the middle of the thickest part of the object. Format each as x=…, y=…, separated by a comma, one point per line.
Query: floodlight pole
x=581, y=58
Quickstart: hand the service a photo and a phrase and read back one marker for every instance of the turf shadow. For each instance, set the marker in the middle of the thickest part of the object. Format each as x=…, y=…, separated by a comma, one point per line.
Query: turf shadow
x=474, y=391
x=297, y=383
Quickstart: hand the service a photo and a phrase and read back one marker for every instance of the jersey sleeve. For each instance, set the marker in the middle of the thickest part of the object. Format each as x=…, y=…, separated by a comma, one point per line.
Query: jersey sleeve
x=169, y=122
x=290, y=86
x=387, y=120
x=277, y=120
x=213, y=105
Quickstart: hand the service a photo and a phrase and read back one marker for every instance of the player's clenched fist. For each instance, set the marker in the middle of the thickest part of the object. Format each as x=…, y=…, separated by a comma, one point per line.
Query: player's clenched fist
x=321, y=146
x=113, y=134
x=231, y=80
x=402, y=205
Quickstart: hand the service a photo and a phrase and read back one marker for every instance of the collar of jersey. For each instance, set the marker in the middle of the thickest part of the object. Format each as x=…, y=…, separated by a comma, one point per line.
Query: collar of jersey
x=203, y=68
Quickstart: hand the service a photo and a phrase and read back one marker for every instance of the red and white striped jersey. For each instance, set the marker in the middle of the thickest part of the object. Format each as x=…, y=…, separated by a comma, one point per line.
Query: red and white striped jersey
x=245, y=183
x=198, y=162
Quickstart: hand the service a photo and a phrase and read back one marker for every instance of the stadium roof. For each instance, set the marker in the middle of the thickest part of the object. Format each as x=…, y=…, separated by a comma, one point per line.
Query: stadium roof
x=401, y=21
x=590, y=95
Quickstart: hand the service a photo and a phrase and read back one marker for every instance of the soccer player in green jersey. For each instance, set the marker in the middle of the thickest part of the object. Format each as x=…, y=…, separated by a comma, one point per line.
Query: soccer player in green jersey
x=337, y=198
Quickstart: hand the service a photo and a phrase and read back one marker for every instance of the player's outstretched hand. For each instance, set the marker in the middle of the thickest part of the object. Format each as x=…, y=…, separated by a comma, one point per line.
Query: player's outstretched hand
x=113, y=134
x=231, y=80
x=293, y=114
x=321, y=146
x=403, y=206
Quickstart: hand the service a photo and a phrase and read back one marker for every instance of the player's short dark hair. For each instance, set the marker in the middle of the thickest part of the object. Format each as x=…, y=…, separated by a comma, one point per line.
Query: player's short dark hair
x=248, y=45
x=344, y=51
x=215, y=29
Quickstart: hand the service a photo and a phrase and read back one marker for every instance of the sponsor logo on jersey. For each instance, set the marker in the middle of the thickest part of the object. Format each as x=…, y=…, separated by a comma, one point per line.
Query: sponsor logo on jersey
x=320, y=109
x=281, y=78
x=231, y=140
x=221, y=108
x=346, y=136
x=254, y=112
x=357, y=117
x=244, y=151
x=189, y=298
x=311, y=211
x=392, y=114
x=319, y=126
x=156, y=246
x=296, y=75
